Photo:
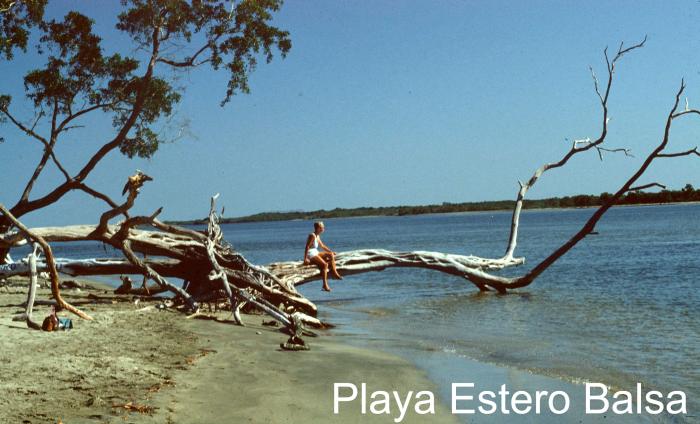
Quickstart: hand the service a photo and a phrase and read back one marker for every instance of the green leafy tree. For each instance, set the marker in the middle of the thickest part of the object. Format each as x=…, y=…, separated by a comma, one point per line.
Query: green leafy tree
x=78, y=78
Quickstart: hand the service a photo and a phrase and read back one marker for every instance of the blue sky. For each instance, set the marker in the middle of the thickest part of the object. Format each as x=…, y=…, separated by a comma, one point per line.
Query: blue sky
x=397, y=103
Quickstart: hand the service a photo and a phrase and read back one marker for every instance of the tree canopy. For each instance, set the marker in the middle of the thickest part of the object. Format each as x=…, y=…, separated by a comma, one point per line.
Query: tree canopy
x=77, y=77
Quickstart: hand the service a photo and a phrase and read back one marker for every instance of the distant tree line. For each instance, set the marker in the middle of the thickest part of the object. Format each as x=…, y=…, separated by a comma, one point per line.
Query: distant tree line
x=686, y=194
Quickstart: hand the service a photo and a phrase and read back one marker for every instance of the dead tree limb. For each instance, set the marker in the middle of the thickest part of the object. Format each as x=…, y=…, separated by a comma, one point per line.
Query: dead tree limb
x=578, y=146
x=202, y=259
x=214, y=237
x=31, y=293
x=236, y=295
x=186, y=250
x=589, y=226
x=368, y=260
x=55, y=288
x=377, y=260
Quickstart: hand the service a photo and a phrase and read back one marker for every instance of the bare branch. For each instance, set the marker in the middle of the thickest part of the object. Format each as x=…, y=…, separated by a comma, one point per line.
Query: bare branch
x=73, y=127
x=578, y=146
x=71, y=116
x=589, y=226
x=38, y=118
x=55, y=289
x=693, y=151
x=627, y=152
x=133, y=186
x=135, y=221
x=621, y=52
x=48, y=152
x=645, y=186
x=9, y=6
x=149, y=272
x=23, y=128
x=169, y=228
x=190, y=61
x=686, y=112
x=94, y=193
x=595, y=84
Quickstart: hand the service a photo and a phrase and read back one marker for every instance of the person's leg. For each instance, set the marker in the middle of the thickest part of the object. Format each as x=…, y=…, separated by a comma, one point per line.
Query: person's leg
x=323, y=266
x=330, y=258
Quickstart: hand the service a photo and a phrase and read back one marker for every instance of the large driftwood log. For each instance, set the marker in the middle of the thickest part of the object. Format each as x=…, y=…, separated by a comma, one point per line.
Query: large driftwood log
x=368, y=260
x=208, y=263
x=178, y=252
x=475, y=269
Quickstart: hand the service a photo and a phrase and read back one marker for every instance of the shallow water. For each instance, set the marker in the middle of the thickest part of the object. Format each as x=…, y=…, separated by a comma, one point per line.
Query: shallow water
x=622, y=307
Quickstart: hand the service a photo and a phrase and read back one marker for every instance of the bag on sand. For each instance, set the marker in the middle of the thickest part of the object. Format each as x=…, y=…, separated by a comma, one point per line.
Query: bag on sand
x=53, y=323
x=50, y=323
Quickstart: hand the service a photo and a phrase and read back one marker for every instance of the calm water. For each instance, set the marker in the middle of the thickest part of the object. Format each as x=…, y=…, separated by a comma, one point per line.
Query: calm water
x=622, y=307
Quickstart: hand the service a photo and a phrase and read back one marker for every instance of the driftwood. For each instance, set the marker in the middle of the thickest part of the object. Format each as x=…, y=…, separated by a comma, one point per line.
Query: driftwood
x=212, y=268
x=360, y=261
x=31, y=292
x=177, y=252
x=31, y=295
x=477, y=270
x=51, y=264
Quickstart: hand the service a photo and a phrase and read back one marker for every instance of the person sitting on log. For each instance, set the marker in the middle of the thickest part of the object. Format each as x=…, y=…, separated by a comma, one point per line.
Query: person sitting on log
x=319, y=254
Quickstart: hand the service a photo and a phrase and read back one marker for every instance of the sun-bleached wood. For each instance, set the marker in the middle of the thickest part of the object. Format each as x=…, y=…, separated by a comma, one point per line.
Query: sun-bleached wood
x=209, y=264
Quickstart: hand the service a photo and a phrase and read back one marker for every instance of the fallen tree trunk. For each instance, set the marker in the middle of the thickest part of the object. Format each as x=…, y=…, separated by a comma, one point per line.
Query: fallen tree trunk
x=197, y=259
x=210, y=265
x=369, y=260
x=170, y=255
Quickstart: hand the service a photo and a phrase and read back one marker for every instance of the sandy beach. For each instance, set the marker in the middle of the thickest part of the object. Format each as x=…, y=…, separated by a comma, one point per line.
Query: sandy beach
x=136, y=356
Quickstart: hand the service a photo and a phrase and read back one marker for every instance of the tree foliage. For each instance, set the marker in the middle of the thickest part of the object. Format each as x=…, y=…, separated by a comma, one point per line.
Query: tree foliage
x=132, y=87
x=16, y=20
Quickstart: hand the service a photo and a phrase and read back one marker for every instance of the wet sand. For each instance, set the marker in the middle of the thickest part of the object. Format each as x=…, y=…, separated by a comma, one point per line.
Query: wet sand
x=249, y=379
x=135, y=356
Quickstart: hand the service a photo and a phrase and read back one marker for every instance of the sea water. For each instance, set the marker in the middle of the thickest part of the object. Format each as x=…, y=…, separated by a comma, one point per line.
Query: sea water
x=622, y=307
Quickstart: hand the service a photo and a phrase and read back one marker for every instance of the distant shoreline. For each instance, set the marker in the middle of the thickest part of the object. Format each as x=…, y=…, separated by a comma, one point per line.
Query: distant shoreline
x=686, y=195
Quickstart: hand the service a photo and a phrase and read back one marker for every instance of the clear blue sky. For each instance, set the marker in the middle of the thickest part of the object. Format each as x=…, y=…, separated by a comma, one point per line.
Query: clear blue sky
x=398, y=102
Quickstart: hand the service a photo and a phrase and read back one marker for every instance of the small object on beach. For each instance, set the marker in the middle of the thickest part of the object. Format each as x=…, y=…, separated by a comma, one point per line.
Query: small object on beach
x=294, y=343
x=65, y=324
x=50, y=323
x=125, y=288
x=258, y=332
x=72, y=284
x=94, y=400
x=53, y=323
x=160, y=306
x=135, y=407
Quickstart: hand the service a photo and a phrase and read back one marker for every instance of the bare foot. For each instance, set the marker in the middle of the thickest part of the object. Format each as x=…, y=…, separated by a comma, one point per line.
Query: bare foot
x=337, y=276
x=326, y=288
